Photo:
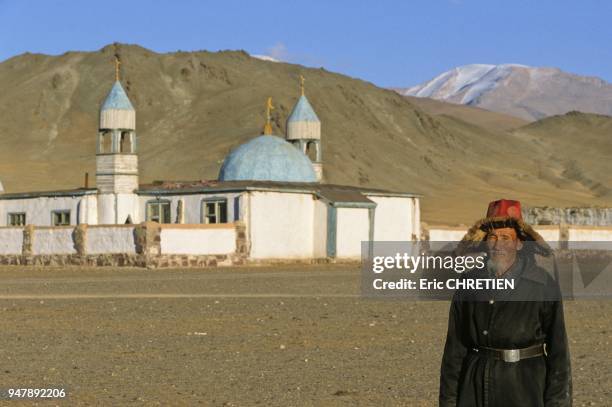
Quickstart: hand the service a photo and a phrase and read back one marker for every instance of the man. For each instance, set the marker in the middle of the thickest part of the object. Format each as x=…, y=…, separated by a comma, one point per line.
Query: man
x=509, y=350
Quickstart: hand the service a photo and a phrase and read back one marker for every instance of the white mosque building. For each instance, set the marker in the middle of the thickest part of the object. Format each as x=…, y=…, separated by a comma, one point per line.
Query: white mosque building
x=269, y=202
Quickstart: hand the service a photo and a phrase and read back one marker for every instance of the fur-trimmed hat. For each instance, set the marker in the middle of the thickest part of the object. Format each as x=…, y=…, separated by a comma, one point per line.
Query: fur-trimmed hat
x=504, y=213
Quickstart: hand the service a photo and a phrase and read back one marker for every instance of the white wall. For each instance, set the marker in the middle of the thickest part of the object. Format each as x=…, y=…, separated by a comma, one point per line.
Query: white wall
x=550, y=234
x=88, y=210
x=198, y=241
x=442, y=234
x=192, y=206
x=11, y=240
x=106, y=209
x=114, y=209
x=319, y=233
x=281, y=225
x=394, y=218
x=110, y=239
x=590, y=234
x=53, y=241
x=455, y=234
x=38, y=210
x=127, y=205
x=353, y=226
x=416, y=210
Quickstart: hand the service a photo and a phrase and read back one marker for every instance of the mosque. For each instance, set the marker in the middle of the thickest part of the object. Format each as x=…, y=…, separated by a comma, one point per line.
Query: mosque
x=267, y=186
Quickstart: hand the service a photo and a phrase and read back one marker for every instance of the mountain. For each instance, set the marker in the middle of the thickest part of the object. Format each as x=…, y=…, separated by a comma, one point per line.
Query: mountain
x=518, y=90
x=194, y=107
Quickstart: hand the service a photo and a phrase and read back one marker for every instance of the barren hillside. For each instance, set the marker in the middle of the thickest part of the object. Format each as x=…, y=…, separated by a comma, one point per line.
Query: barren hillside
x=193, y=107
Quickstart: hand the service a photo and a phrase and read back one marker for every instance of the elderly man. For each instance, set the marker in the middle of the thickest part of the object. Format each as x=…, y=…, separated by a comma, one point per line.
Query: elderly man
x=510, y=348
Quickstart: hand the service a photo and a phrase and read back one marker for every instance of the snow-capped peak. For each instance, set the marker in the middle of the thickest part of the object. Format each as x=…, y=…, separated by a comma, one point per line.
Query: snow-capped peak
x=463, y=84
x=519, y=90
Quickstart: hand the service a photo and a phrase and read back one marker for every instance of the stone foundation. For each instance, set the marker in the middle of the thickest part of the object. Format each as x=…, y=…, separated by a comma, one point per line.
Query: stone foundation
x=123, y=260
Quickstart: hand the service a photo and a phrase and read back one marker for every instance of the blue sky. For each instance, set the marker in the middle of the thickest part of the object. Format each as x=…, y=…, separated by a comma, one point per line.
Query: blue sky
x=390, y=43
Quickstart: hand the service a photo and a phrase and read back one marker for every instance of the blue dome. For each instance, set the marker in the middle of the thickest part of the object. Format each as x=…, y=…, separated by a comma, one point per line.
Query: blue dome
x=267, y=158
x=117, y=99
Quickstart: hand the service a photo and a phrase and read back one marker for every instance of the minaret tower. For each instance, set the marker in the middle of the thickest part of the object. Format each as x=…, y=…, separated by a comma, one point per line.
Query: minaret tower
x=304, y=131
x=116, y=159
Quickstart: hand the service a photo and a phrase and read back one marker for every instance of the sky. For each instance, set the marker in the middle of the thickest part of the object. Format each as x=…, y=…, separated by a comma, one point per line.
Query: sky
x=390, y=43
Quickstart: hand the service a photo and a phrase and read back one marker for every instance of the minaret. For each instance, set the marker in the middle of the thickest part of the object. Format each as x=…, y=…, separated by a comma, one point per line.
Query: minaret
x=116, y=159
x=304, y=130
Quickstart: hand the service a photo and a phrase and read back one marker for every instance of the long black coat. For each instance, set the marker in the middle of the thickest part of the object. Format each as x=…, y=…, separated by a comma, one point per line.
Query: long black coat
x=472, y=380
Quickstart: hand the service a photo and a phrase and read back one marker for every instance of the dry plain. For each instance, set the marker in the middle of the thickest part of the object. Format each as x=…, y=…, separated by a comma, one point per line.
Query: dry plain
x=270, y=336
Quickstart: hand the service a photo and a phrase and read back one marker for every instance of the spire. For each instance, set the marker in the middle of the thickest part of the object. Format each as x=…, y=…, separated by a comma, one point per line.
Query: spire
x=268, y=125
x=117, y=98
x=117, y=65
x=117, y=112
x=303, y=111
x=302, y=84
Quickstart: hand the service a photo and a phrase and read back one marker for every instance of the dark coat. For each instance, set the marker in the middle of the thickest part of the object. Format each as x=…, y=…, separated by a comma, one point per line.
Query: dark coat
x=472, y=380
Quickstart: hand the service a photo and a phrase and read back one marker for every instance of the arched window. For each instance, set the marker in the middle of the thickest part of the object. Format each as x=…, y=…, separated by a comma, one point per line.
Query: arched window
x=106, y=142
x=311, y=150
x=126, y=142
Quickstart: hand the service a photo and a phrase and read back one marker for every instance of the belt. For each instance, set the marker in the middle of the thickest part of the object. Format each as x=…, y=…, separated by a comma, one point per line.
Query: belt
x=511, y=355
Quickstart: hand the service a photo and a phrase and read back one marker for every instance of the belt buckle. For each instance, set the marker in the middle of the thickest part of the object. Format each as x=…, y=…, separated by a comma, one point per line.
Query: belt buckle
x=511, y=355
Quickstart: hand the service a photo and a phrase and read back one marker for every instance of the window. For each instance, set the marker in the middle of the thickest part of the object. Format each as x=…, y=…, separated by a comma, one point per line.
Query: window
x=158, y=211
x=60, y=218
x=106, y=142
x=214, y=211
x=236, y=209
x=311, y=151
x=126, y=142
x=17, y=219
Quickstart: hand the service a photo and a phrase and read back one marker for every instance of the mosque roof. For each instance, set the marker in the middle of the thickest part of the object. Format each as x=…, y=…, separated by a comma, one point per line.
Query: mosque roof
x=267, y=158
x=117, y=99
x=49, y=194
x=333, y=192
x=330, y=192
x=303, y=111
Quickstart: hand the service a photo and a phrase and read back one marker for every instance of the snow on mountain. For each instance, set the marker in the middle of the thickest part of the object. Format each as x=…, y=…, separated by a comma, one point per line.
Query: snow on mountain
x=265, y=58
x=468, y=82
x=519, y=90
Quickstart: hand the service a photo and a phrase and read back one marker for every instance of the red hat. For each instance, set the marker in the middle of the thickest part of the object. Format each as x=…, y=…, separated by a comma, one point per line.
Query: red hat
x=501, y=214
x=506, y=208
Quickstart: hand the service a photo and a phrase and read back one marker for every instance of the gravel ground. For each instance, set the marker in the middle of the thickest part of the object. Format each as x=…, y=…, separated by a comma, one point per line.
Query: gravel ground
x=270, y=336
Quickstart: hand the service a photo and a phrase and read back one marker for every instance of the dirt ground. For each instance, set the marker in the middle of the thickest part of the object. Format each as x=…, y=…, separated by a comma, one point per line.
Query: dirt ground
x=270, y=336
